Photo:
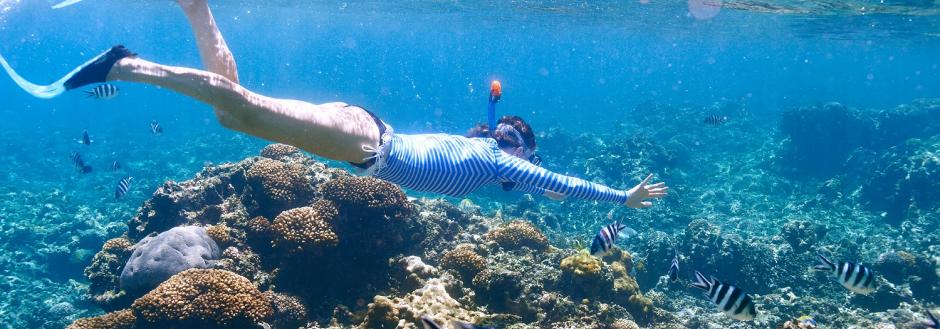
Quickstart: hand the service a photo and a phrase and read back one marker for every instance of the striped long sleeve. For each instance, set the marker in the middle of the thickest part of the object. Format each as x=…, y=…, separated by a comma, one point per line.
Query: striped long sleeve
x=510, y=168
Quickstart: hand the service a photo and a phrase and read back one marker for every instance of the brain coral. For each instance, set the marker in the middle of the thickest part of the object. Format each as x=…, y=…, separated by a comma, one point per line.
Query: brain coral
x=306, y=228
x=277, y=151
x=366, y=197
x=464, y=260
x=123, y=319
x=158, y=258
x=518, y=234
x=201, y=297
x=278, y=186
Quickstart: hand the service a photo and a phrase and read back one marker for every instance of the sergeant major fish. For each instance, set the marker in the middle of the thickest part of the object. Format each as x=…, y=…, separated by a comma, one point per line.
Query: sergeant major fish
x=122, y=187
x=86, y=139
x=430, y=324
x=80, y=163
x=155, y=127
x=103, y=91
x=854, y=277
x=730, y=299
x=674, y=268
x=607, y=236
x=115, y=166
x=715, y=120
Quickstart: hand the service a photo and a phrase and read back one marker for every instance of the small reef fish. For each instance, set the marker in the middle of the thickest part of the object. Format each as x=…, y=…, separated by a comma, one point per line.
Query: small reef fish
x=104, y=91
x=123, y=185
x=607, y=236
x=115, y=166
x=715, y=120
x=430, y=324
x=806, y=321
x=155, y=127
x=932, y=323
x=674, y=268
x=85, y=138
x=730, y=299
x=854, y=277
x=80, y=163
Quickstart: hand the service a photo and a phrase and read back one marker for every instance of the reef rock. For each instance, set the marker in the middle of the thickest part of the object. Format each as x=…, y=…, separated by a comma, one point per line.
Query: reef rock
x=158, y=258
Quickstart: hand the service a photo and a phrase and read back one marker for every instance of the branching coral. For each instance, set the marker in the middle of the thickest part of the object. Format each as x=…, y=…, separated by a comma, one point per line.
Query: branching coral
x=518, y=234
x=464, y=260
x=123, y=319
x=366, y=197
x=215, y=298
x=278, y=186
x=306, y=229
x=277, y=151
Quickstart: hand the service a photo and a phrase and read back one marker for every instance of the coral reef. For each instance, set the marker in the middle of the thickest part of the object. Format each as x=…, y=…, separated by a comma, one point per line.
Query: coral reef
x=802, y=235
x=464, y=260
x=518, y=234
x=306, y=229
x=104, y=273
x=158, y=258
x=277, y=151
x=278, y=185
x=366, y=197
x=201, y=297
x=123, y=319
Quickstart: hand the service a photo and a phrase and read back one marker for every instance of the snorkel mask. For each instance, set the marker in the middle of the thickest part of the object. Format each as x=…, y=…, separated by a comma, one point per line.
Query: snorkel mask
x=523, y=151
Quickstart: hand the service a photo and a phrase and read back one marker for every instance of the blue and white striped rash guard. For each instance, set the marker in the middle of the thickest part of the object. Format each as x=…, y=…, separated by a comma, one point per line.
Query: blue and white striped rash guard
x=455, y=165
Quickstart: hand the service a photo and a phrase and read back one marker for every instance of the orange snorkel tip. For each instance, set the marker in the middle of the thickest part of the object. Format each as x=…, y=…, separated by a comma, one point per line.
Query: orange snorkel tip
x=496, y=90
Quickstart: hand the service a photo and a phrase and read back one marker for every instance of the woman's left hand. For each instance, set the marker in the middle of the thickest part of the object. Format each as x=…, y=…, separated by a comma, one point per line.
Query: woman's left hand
x=639, y=195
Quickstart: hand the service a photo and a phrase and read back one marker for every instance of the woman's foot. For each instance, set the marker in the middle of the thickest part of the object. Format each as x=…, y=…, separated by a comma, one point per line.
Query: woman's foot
x=97, y=70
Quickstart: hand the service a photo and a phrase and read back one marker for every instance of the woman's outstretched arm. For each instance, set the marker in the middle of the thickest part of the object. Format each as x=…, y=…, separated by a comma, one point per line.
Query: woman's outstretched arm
x=522, y=172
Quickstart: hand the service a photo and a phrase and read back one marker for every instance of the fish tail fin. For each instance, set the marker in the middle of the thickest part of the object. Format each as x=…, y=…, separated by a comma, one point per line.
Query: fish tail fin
x=701, y=281
x=824, y=263
x=89, y=93
x=427, y=323
x=933, y=320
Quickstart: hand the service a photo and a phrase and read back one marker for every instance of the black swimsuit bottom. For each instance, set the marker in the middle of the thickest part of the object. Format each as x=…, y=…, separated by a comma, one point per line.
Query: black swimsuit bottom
x=382, y=128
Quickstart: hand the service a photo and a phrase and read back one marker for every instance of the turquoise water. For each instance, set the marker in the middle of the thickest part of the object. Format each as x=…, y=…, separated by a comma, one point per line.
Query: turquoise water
x=568, y=67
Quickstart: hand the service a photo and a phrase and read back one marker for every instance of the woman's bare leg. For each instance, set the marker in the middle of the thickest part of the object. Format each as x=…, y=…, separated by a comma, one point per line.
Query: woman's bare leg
x=331, y=130
x=215, y=54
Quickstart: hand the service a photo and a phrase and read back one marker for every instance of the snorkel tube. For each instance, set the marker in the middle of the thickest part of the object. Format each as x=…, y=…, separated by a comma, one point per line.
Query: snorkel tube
x=496, y=91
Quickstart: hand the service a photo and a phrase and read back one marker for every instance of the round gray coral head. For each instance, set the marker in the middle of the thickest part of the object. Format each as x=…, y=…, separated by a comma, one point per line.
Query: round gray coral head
x=156, y=259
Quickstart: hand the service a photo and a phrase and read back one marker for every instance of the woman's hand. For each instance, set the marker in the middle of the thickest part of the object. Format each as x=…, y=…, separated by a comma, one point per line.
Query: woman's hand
x=639, y=195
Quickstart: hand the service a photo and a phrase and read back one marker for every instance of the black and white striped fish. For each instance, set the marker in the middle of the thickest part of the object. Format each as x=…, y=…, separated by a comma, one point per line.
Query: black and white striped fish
x=115, y=166
x=86, y=139
x=122, y=187
x=854, y=277
x=932, y=323
x=80, y=163
x=103, y=91
x=607, y=236
x=730, y=299
x=155, y=127
x=430, y=324
x=674, y=268
x=715, y=120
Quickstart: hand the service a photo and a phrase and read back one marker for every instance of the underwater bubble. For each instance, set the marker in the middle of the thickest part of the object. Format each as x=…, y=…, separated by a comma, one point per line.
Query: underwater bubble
x=704, y=9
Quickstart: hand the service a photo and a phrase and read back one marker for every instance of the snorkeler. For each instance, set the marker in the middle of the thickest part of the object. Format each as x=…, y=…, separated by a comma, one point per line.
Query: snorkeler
x=448, y=164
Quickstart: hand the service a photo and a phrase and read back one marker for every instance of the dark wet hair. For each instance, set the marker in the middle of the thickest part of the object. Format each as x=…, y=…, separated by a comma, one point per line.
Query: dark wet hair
x=507, y=140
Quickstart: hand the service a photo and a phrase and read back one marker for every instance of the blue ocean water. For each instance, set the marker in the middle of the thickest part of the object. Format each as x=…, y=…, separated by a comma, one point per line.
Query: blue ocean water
x=424, y=66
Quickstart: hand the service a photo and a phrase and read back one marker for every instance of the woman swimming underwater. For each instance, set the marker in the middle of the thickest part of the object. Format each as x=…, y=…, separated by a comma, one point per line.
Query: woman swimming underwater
x=448, y=164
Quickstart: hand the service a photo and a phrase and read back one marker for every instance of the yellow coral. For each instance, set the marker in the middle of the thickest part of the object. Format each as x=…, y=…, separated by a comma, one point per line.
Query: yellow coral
x=518, y=234
x=464, y=260
x=582, y=264
x=277, y=151
x=123, y=319
x=215, y=298
x=306, y=228
x=105, y=271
